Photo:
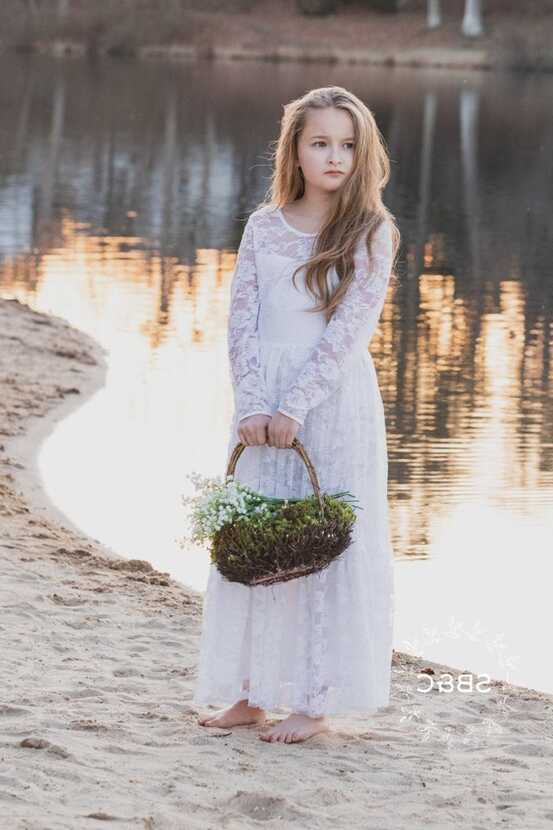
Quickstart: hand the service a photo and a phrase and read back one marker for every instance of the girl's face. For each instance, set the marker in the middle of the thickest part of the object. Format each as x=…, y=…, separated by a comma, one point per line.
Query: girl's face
x=326, y=143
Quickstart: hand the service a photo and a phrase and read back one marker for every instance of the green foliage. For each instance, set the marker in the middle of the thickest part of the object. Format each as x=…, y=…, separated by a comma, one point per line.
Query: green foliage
x=327, y=7
x=317, y=8
x=284, y=542
x=387, y=6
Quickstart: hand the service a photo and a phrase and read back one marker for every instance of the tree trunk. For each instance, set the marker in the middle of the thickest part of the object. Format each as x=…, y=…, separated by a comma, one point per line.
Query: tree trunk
x=433, y=14
x=472, y=20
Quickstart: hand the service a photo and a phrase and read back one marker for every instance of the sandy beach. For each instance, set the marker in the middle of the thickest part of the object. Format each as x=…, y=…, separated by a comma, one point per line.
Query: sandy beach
x=98, y=655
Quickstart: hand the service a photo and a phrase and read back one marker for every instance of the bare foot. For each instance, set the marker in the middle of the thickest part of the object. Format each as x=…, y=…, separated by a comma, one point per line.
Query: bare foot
x=236, y=715
x=295, y=728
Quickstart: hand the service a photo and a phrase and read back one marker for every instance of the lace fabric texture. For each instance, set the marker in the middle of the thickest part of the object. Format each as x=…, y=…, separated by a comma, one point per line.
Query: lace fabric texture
x=321, y=644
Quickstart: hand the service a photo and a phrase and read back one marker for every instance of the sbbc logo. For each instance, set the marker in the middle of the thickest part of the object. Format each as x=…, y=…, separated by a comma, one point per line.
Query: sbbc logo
x=446, y=682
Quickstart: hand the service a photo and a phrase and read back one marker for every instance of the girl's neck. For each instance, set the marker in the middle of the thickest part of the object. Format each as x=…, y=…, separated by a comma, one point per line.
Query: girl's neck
x=308, y=216
x=312, y=209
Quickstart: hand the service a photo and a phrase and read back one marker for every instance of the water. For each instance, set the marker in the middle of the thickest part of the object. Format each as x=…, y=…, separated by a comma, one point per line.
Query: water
x=122, y=191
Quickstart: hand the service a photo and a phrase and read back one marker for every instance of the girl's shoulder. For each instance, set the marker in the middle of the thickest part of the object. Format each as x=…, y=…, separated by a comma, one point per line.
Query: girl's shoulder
x=260, y=215
x=261, y=225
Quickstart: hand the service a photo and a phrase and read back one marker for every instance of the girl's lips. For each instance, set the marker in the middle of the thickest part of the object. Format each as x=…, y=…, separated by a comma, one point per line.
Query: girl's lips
x=334, y=173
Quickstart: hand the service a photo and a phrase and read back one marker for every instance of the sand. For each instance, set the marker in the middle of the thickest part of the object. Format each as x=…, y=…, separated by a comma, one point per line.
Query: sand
x=98, y=656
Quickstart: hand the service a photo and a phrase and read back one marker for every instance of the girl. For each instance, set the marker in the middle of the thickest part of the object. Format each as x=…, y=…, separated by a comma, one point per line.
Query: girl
x=319, y=644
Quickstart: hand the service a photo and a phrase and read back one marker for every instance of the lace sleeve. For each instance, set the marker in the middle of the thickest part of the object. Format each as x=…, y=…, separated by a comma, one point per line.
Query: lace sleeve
x=250, y=396
x=357, y=315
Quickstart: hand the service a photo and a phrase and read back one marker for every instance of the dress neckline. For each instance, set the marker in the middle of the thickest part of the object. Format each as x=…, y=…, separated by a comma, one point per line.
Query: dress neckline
x=291, y=227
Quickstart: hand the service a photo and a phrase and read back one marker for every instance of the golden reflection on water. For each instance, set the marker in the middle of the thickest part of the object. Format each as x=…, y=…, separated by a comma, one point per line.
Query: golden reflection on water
x=464, y=410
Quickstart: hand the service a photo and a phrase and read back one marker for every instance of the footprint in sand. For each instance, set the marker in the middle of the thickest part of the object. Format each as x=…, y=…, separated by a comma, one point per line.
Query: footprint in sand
x=13, y=711
x=264, y=807
x=41, y=743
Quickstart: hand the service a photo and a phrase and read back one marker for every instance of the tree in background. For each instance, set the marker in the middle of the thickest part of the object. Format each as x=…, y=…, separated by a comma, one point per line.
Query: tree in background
x=434, y=14
x=472, y=18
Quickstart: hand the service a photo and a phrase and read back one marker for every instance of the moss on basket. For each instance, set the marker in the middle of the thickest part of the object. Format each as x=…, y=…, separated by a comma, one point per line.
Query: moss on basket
x=285, y=543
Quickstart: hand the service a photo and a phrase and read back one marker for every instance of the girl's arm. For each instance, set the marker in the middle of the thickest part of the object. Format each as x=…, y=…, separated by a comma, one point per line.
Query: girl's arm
x=250, y=396
x=359, y=311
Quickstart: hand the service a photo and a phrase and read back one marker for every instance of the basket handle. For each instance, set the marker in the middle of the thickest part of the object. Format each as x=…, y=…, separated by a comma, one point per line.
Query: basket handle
x=300, y=449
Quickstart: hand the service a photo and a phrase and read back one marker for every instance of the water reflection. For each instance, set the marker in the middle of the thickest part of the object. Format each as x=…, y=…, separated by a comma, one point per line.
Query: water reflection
x=122, y=188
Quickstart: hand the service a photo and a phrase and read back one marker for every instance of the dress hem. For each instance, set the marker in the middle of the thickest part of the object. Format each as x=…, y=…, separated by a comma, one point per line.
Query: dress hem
x=272, y=705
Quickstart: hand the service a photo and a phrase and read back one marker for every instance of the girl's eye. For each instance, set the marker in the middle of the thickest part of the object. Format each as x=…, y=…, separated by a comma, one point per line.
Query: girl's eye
x=349, y=143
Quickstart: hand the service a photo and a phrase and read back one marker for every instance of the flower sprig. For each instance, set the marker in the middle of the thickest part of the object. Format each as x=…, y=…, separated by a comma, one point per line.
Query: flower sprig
x=219, y=501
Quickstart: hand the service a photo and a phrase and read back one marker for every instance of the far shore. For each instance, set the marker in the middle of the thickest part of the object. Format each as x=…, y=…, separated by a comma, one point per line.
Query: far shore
x=274, y=32
x=99, y=652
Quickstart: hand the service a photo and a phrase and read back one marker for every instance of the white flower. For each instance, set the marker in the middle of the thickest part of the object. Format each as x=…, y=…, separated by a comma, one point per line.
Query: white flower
x=218, y=502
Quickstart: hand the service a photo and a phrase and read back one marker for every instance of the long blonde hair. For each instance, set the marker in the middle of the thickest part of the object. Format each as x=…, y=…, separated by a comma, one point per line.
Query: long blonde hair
x=358, y=209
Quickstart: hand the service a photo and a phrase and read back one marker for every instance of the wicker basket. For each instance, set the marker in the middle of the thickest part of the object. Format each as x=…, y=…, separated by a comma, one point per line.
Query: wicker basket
x=300, y=538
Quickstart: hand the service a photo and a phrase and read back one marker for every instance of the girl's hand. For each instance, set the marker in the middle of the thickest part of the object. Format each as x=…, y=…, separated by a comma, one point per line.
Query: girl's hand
x=282, y=430
x=252, y=430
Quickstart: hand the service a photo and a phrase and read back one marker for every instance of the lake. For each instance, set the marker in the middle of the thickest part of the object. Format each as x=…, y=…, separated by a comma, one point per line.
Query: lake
x=124, y=187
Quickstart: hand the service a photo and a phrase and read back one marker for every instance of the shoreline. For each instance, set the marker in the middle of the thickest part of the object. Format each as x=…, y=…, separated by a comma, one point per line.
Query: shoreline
x=429, y=57
x=114, y=727
x=80, y=372
x=25, y=447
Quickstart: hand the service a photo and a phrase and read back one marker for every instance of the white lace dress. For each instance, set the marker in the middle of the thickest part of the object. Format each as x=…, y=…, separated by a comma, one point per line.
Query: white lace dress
x=319, y=644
